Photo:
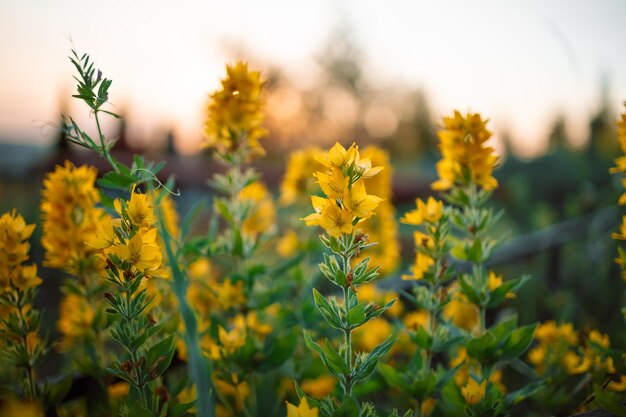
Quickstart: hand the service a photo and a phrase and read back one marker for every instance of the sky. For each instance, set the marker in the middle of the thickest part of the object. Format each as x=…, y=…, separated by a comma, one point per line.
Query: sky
x=521, y=63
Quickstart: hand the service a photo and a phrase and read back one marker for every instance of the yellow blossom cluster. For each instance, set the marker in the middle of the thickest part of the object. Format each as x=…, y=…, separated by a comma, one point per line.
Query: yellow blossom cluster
x=262, y=213
x=299, y=181
x=138, y=248
x=466, y=158
x=467, y=370
x=559, y=345
x=347, y=201
x=427, y=214
x=620, y=167
x=70, y=217
x=76, y=317
x=382, y=227
x=14, y=248
x=234, y=114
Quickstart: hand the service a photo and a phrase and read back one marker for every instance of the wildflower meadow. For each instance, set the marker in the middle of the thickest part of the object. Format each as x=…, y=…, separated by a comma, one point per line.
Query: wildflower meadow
x=297, y=301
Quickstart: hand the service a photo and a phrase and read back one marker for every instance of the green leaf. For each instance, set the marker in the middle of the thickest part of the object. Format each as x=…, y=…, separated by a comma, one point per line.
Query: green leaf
x=160, y=356
x=517, y=342
x=116, y=181
x=369, y=364
x=348, y=408
x=609, y=401
x=356, y=315
x=336, y=361
x=482, y=348
x=223, y=210
x=423, y=339
x=394, y=377
x=326, y=310
x=513, y=398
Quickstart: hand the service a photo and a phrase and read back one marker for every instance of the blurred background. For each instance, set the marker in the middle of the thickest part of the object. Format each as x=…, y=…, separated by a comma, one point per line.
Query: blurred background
x=550, y=76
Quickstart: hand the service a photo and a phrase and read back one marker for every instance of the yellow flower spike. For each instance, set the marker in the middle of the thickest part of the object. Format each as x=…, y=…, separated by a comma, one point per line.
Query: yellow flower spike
x=76, y=316
x=599, y=339
x=14, y=235
x=495, y=282
x=474, y=392
x=462, y=144
x=302, y=410
x=298, y=181
x=234, y=114
x=359, y=202
x=263, y=212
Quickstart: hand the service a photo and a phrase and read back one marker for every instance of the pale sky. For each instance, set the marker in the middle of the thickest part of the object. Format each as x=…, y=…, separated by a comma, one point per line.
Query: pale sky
x=520, y=63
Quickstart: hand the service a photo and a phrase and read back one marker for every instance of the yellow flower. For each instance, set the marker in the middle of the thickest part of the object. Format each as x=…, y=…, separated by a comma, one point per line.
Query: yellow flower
x=302, y=410
x=10, y=407
x=359, y=202
x=141, y=251
x=118, y=389
x=298, y=181
x=230, y=295
x=428, y=406
x=139, y=210
x=575, y=364
x=234, y=115
x=462, y=144
x=288, y=244
x=104, y=235
x=495, y=282
x=336, y=220
x=461, y=312
x=430, y=212
x=421, y=265
x=76, y=316
x=474, y=392
x=416, y=319
x=319, y=387
x=333, y=183
x=25, y=277
x=262, y=214
x=372, y=333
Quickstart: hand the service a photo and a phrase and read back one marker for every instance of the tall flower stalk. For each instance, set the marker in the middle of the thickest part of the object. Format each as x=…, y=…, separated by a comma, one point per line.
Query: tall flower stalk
x=22, y=347
x=346, y=203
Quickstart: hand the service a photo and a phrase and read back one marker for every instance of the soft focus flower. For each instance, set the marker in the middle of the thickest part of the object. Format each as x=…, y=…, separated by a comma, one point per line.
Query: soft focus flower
x=14, y=247
x=234, y=115
x=262, y=213
x=461, y=312
x=299, y=181
x=76, y=316
x=319, y=387
x=302, y=410
x=70, y=218
x=462, y=142
x=473, y=392
x=430, y=212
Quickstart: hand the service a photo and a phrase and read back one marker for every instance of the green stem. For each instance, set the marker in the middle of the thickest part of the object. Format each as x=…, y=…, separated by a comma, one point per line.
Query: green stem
x=30, y=372
x=199, y=368
x=347, y=331
x=103, y=147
